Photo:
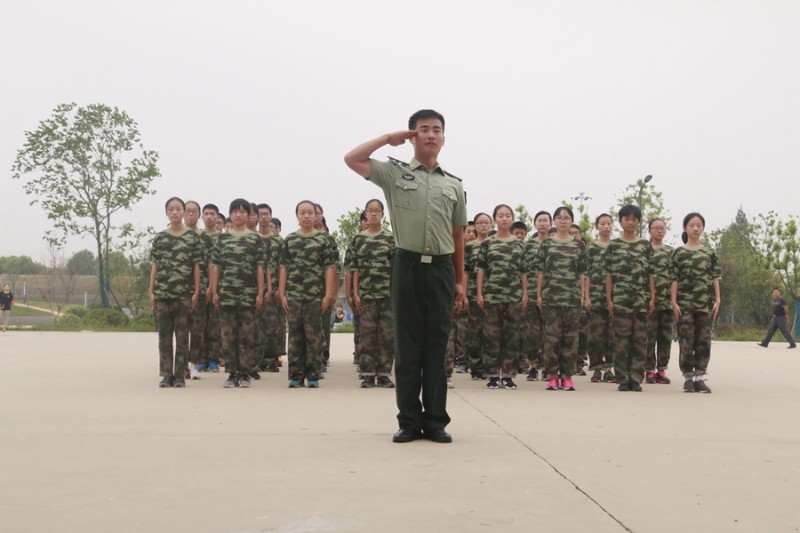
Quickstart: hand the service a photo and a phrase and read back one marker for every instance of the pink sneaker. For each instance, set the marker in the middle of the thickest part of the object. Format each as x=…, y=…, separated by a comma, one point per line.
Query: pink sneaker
x=566, y=384
x=552, y=384
x=662, y=378
x=650, y=377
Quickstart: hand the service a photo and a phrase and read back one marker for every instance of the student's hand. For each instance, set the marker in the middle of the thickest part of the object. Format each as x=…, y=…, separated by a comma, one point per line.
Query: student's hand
x=715, y=310
x=676, y=311
x=350, y=301
x=259, y=300
x=399, y=137
x=195, y=299
x=610, y=309
x=208, y=296
x=651, y=306
x=327, y=302
x=587, y=304
x=152, y=301
x=284, y=303
x=461, y=297
x=215, y=299
x=524, y=304
x=539, y=303
x=267, y=296
x=480, y=301
x=357, y=303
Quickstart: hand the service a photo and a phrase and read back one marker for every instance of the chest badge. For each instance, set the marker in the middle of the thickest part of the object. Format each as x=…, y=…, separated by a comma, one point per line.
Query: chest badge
x=409, y=177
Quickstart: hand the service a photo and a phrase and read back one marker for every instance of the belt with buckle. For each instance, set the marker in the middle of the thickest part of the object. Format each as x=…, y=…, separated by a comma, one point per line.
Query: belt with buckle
x=423, y=258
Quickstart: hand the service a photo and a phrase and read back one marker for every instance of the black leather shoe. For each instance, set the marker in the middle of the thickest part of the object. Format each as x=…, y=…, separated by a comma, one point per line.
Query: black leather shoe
x=406, y=435
x=438, y=435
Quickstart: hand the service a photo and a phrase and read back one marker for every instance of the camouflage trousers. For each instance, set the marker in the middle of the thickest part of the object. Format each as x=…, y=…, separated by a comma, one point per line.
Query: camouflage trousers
x=305, y=335
x=475, y=346
x=325, y=336
x=458, y=340
x=601, y=338
x=532, y=340
x=204, y=344
x=376, y=338
x=274, y=330
x=238, y=334
x=501, y=339
x=694, y=341
x=172, y=319
x=659, y=335
x=356, y=337
x=583, y=338
x=560, y=327
x=260, y=338
x=629, y=347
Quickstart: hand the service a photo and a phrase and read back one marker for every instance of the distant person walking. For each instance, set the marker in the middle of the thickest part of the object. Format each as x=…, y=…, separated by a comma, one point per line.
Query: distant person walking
x=7, y=300
x=780, y=312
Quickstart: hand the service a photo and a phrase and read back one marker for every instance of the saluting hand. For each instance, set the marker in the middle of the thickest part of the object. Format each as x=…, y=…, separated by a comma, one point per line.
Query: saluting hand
x=399, y=137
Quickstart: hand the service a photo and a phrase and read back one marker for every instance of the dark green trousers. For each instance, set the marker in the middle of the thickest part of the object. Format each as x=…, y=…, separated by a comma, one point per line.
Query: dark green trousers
x=422, y=308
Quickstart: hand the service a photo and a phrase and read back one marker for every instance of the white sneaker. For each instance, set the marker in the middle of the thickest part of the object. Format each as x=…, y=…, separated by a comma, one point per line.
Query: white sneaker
x=450, y=383
x=193, y=372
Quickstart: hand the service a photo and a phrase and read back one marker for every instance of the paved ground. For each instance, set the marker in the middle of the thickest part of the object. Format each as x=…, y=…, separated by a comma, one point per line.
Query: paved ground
x=89, y=443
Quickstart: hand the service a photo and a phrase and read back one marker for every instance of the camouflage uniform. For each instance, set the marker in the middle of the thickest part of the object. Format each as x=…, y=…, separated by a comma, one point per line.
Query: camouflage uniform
x=175, y=257
x=660, y=322
x=533, y=334
x=275, y=326
x=503, y=265
x=458, y=341
x=305, y=257
x=561, y=263
x=372, y=260
x=198, y=342
x=694, y=271
x=600, y=328
x=628, y=264
x=325, y=338
x=237, y=258
x=261, y=314
x=475, y=347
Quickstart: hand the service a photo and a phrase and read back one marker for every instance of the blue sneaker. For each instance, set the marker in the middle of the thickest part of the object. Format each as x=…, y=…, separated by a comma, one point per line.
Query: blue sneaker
x=213, y=366
x=296, y=384
x=313, y=384
x=201, y=367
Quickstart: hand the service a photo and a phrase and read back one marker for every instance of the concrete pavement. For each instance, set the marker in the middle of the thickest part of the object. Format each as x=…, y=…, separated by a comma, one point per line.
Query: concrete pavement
x=89, y=443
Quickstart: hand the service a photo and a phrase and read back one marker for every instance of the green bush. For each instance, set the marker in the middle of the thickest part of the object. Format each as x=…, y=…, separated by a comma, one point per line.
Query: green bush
x=100, y=318
x=75, y=310
x=69, y=323
x=144, y=321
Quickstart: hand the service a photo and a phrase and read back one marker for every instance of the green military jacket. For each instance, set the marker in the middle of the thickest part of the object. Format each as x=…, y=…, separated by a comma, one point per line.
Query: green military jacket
x=561, y=263
x=237, y=257
x=694, y=271
x=660, y=266
x=503, y=264
x=175, y=256
x=372, y=259
x=628, y=264
x=305, y=258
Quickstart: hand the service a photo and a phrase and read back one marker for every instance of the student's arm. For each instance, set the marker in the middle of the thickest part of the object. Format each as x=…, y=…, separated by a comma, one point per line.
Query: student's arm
x=673, y=290
x=349, y=287
x=267, y=286
x=260, y=285
x=587, y=302
x=153, y=273
x=209, y=268
x=584, y=292
x=609, y=293
x=358, y=158
x=282, y=275
x=331, y=283
x=717, y=300
x=213, y=281
x=355, y=298
x=458, y=266
x=479, y=287
x=196, y=293
x=524, y=292
x=652, y=304
x=539, y=283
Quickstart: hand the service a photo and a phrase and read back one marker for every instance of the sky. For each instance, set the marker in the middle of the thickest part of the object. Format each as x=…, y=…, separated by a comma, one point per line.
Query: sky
x=543, y=100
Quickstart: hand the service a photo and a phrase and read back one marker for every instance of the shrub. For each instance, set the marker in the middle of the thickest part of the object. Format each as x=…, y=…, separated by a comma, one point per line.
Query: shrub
x=75, y=310
x=103, y=318
x=69, y=323
x=144, y=321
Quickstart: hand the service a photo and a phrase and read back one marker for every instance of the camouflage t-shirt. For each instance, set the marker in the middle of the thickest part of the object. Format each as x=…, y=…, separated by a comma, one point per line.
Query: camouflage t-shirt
x=175, y=257
x=372, y=259
x=274, y=245
x=471, y=268
x=237, y=257
x=562, y=263
x=532, y=246
x=208, y=244
x=597, y=275
x=305, y=258
x=660, y=266
x=628, y=264
x=503, y=264
x=695, y=270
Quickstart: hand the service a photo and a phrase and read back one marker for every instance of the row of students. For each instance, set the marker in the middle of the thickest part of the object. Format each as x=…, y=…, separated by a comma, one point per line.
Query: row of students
x=630, y=290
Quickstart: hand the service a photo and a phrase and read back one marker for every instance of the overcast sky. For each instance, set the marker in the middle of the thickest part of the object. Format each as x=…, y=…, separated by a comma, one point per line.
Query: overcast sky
x=543, y=99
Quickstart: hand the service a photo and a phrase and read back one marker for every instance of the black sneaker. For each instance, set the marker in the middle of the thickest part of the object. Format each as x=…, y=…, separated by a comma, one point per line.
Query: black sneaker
x=385, y=382
x=688, y=385
x=508, y=383
x=271, y=367
x=179, y=383
x=368, y=382
x=244, y=380
x=255, y=375
x=477, y=375
x=231, y=382
x=624, y=387
x=597, y=376
x=609, y=377
x=634, y=386
x=494, y=383
x=533, y=375
x=700, y=386
x=165, y=383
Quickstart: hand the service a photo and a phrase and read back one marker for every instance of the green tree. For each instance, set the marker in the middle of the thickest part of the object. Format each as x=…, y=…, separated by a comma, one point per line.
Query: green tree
x=81, y=263
x=779, y=243
x=652, y=203
x=83, y=165
x=582, y=217
x=521, y=214
x=347, y=226
x=20, y=265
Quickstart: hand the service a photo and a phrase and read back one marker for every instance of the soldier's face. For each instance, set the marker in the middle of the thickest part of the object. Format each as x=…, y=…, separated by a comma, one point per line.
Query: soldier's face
x=239, y=217
x=519, y=233
x=503, y=218
x=175, y=211
x=694, y=228
x=604, y=226
x=543, y=224
x=210, y=219
x=264, y=218
x=305, y=216
x=374, y=214
x=658, y=229
x=191, y=215
x=483, y=226
x=629, y=223
x=429, y=138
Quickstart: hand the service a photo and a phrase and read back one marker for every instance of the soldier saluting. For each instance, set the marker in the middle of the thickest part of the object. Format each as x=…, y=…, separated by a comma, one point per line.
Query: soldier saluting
x=427, y=209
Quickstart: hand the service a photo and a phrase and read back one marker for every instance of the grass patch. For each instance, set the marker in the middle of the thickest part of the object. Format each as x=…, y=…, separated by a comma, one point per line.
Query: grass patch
x=21, y=310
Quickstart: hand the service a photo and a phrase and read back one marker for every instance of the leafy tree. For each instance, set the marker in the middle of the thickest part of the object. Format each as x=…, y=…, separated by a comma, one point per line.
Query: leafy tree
x=20, y=265
x=582, y=217
x=81, y=263
x=348, y=225
x=652, y=204
x=521, y=214
x=83, y=165
x=779, y=243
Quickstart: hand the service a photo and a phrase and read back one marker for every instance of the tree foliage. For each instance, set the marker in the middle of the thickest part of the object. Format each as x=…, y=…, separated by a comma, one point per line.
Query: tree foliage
x=521, y=214
x=651, y=205
x=348, y=225
x=81, y=263
x=581, y=218
x=15, y=265
x=82, y=166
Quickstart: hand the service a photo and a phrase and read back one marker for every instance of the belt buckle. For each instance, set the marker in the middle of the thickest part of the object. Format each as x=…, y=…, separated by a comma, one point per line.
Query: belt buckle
x=427, y=259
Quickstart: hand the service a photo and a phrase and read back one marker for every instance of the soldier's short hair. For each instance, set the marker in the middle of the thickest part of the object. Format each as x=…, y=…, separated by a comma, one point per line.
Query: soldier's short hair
x=422, y=114
x=239, y=203
x=265, y=206
x=212, y=207
x=629, y=210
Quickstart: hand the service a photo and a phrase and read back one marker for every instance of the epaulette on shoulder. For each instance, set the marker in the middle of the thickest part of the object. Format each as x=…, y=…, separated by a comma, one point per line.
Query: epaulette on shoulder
x=398, y=162
x=446, y=173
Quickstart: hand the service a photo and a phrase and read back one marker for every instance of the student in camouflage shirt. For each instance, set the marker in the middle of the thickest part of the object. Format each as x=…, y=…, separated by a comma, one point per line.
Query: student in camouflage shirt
x=533, y=331
x=237, y=289
x=176, y=256
x=695, y=273
x=306, y=289
x=210, y=343
x=483, y=225
x=502, y=293
x=661, y=320
x=197, y=318
x=276, y=317
x=600, y=328
x=373, y=251
x=268, y=319
x=560, y=267
x=348, y=290
x=630, y=297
